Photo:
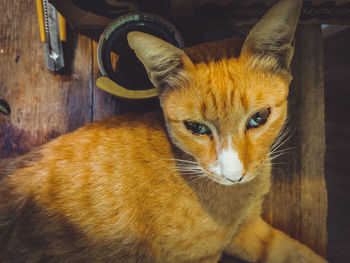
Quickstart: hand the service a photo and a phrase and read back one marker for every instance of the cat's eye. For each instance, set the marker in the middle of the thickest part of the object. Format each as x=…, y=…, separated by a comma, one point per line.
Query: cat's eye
x=197, y=128
x=258, y=118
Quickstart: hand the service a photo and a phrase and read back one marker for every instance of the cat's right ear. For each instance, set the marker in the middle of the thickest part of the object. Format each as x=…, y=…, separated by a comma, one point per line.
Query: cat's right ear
x=273, y=35
x=167, y=66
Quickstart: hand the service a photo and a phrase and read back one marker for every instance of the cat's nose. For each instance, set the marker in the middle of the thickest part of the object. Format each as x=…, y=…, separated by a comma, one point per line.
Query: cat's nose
x=230, y=164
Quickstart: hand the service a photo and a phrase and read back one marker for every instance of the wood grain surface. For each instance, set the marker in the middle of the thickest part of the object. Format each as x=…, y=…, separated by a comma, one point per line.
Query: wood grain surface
x=297, y=203
x=45, y=105
x=337, y=95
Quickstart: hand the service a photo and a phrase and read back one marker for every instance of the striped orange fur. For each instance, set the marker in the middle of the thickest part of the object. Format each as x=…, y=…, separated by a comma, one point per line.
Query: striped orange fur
x=182, y=184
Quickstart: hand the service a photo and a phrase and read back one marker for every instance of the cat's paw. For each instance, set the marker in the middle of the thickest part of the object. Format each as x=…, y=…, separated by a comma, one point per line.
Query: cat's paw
x=308, y=257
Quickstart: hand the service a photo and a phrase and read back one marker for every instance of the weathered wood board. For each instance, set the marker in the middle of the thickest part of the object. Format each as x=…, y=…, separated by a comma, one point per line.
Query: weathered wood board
x=44, y=105
x=298, y=200
x=337, y=166
x=99, y=13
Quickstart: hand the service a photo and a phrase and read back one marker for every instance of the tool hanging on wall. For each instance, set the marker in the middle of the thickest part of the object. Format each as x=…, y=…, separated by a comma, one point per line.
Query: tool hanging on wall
x=52, y=32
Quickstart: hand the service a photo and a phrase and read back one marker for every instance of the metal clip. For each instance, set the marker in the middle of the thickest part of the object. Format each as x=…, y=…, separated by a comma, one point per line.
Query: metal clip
x=52, y=32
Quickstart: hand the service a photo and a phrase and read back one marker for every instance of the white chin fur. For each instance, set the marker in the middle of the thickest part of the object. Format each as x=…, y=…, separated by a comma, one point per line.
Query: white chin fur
x=225, y=181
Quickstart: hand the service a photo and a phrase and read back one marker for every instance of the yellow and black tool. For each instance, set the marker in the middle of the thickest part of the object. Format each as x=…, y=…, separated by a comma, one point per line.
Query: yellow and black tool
x=52, y=32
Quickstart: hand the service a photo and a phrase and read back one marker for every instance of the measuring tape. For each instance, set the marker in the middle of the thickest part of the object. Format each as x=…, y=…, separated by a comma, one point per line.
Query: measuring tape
x=123, y=74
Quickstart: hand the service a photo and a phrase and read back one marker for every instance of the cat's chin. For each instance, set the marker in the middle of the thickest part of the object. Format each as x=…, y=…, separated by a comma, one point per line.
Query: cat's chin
x=220, y=179
x=228, y=182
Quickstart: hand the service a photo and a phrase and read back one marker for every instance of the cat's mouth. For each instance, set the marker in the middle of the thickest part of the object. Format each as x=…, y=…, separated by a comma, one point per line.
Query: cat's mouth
x=222, y=179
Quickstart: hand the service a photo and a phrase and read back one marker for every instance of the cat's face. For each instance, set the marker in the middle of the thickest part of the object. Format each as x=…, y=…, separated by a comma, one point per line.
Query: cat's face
x=227, y=117
x=226, y=113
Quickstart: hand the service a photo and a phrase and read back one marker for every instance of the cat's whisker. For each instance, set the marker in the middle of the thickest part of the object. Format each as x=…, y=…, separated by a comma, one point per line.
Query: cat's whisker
x=268, y=162
x=187, y=165
x=189, y=168
x=277, y=155
x=195, y=178
x=212, y=180
x=282, y=138
x=278, y=147
x=180, y=160
x=282, y=150
x=197, y=173
x=189, y=173
x=185, y=170
x=279, y=163
x=275, y=150
x=283, y=133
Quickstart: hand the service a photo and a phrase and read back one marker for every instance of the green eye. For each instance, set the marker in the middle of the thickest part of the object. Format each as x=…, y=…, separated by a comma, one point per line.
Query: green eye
x=258, y=119
x=197, y=128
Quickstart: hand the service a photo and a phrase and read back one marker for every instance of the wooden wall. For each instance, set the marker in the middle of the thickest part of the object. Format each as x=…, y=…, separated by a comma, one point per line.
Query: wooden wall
x=45, y=105
x=298, y=200
x=337, y=95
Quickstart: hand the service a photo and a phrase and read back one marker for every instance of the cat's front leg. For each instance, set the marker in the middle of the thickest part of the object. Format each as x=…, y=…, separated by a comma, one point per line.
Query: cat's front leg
x=259, y=242
x=209, y=259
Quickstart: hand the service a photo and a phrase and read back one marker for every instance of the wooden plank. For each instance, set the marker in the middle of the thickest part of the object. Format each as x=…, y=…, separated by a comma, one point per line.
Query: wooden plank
x=237, y=12
x=44, y=105
x=336, y=44
x=186, y=13
x=309, y=69
x=297, y=203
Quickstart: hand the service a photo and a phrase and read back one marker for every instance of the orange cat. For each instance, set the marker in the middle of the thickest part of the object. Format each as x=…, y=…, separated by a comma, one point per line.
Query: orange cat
x=182, y=185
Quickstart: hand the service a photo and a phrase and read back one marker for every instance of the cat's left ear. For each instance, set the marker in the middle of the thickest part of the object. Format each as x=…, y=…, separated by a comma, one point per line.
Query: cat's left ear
x=273, y=35
x=167, y=66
